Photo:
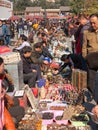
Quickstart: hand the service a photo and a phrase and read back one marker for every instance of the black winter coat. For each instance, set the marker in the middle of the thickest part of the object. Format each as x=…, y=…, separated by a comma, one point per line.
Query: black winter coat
x=27, y=62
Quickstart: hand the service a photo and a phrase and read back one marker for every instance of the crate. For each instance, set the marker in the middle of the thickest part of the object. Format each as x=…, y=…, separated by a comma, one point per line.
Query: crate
x=15, y=69
x=79, y=79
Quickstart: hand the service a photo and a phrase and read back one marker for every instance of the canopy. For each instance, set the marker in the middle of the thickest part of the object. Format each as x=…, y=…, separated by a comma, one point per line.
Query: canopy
x=14, y=17
x=31, y=17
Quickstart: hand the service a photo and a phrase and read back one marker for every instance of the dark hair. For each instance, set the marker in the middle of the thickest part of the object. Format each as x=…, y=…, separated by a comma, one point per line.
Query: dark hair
x=4, y=21
x=1, y=60
x=81, y=16
x=43, y=34
x=77, y=23
x=38, y=45
x=38, y=33
x=43, y=42
x=64, y=57
x=24, y=38
x=26, y=49
x=94, y=15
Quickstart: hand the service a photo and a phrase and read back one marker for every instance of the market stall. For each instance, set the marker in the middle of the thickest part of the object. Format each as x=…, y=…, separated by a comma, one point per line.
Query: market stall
x=57, y=107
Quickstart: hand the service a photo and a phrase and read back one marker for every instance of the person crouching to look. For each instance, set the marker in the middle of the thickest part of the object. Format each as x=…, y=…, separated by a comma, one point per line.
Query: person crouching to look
x=29, y=73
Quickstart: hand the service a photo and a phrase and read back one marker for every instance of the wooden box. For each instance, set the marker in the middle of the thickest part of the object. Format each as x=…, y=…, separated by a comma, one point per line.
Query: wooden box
x=79, y=79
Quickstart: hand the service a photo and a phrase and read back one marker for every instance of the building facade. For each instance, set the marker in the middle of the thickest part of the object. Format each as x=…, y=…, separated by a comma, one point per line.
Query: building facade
x=38, y=11
x=51, y=1
x=34, y=11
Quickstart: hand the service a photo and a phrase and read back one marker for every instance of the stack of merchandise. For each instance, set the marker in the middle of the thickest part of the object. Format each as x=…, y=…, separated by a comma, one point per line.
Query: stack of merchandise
x=65, y=117
x=31, y=121
x=56, y=91
x=53, y=112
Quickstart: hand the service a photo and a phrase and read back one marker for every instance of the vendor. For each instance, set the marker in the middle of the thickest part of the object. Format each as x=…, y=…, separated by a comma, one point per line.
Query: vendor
x=29, y=71
x=72, y=61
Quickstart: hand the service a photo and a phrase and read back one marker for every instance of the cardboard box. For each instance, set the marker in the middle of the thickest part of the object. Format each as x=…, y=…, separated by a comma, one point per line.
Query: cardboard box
x=20, y=94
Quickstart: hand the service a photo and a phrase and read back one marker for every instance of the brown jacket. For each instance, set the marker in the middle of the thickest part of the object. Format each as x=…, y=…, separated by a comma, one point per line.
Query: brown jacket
x=90, y=42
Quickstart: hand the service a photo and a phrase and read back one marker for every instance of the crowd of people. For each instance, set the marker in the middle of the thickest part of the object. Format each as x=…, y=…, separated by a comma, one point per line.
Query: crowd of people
x=38, y=43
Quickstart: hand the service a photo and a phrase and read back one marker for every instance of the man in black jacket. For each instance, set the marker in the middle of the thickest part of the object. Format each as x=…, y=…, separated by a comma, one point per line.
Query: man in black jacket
x=38, y=54
x=45, y=50
x=73, y=61
x=30, y=72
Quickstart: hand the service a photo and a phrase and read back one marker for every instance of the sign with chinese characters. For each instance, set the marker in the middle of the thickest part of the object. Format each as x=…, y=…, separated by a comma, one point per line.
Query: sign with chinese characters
x=6, y=4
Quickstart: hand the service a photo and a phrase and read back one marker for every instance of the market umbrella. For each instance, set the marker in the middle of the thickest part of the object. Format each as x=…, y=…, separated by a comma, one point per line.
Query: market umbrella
x=14, y=17
x=29, y=17
x=38, y=17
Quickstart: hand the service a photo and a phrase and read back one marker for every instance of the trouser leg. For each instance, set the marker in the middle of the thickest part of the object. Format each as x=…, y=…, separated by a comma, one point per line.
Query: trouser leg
x=30, y=79
x=96, y=88
x=91, y=81
x=38, y=68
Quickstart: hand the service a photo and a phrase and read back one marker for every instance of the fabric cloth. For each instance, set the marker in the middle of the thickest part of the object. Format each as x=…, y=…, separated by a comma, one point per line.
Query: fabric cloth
x=7, y=81
x=30, y=79
x=3, y=33
x=26, y=65
x=92, y=60
x=91, y=81
x=96, y=88
x=36, y=57
x=16, y=107
x=90, y=42
x=46, y=53
x=38, y=69
x=25, y=43
x=79, y=41
x=29, y=76
x=1, y=107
